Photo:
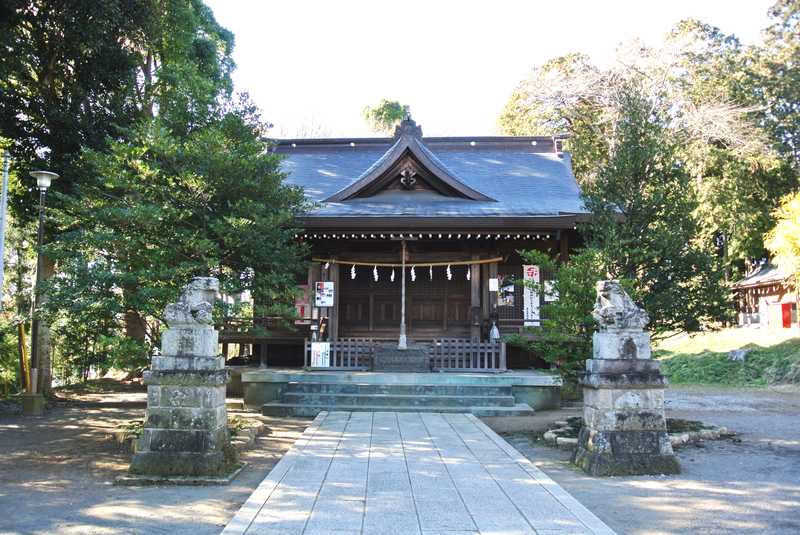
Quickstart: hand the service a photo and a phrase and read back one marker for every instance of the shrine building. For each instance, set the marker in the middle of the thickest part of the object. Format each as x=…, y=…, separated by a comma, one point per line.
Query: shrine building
x=420, y=238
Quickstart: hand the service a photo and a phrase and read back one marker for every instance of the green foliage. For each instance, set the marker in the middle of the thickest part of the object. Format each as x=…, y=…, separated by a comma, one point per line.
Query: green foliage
x=164, y=208
x=73, y=73
x=729, y=109
x=783, y=241
x=653, y=242
x=763, y=366
x=386, y=115
x=9, y=359
x=778, y=78
x=565, y=337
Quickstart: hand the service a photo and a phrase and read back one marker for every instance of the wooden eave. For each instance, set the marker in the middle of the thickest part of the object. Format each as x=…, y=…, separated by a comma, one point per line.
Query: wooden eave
x=466, y=224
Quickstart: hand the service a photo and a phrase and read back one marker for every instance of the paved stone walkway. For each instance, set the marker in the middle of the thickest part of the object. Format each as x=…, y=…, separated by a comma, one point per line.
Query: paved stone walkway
x=408, y=473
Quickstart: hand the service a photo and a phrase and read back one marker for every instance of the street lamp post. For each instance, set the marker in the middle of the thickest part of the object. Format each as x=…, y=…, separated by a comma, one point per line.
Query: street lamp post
x=43, y=181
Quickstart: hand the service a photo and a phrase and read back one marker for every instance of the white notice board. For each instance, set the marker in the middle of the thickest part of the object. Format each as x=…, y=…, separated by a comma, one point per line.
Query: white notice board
x=323, y=297
x=320, y=354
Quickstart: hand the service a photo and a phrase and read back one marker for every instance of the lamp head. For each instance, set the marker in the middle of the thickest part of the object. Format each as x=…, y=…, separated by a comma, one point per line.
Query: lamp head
x=43, y=178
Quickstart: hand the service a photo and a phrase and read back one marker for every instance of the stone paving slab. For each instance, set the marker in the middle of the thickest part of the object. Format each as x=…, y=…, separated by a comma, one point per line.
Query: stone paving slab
x=388, y=473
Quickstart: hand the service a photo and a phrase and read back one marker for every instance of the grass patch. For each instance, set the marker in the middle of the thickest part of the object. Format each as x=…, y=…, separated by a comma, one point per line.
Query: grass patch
x=703, y=358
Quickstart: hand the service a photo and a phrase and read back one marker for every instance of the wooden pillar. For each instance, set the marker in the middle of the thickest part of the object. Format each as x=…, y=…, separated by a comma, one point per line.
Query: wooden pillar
x=564, y=245
x=485, y=293
x=492, y=295
x=333, y=319
x=313, y=277
x=475, y=299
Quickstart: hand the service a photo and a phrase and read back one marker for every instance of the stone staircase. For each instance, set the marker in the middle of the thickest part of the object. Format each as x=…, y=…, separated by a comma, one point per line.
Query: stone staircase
x=309, y=398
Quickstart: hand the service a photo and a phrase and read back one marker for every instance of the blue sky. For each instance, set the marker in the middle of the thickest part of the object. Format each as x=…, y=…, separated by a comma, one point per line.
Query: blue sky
x=314, y=65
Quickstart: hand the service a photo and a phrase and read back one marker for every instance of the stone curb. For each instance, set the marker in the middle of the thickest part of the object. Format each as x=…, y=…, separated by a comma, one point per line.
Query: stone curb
x=243, y=440
x=552, y=436
x=130, y=480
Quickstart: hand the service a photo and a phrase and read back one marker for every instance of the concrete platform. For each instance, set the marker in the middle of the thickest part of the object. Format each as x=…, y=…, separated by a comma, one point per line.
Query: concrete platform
x=538, y=390
x=388, y=473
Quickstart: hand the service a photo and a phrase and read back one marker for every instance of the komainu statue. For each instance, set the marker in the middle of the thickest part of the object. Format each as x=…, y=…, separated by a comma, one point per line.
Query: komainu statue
x=615, y=310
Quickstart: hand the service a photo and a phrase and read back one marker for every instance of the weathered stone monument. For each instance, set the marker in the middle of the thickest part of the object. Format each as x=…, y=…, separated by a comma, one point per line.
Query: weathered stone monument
x=185, y=430
x=625, y=431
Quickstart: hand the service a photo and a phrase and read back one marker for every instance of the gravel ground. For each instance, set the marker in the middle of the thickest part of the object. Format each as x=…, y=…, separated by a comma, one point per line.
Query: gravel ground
x=727, y=486
x=56, y=472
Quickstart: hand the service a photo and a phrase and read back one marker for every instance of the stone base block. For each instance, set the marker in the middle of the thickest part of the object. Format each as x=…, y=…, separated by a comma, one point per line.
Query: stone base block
x=391, y=359
x=33, y=404
x=617, y=399
x=192, y=397
x=626, y=345
x=632, y=420
x=183, y=378
x=610, y=366
x=632, y=379
x=617, y=453
x=160, y=362
x=190, y=341
x=179, y=463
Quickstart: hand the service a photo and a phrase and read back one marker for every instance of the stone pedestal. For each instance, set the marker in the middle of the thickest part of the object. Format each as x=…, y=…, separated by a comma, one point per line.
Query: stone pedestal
x=625, y=431
x=185, y=430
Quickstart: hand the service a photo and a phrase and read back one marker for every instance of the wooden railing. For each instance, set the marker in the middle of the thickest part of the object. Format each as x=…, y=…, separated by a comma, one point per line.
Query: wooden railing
x=447, y=354
x=461, y=354
x=271, y=326
x=346, y=354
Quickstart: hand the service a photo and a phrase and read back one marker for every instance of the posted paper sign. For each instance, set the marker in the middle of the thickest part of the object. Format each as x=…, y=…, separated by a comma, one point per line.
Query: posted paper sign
x=323, y=297
x=320, y=354
x=531, y=297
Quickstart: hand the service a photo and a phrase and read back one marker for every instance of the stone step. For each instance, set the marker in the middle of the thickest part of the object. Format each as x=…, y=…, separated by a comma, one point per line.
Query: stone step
x=293, y=409
x=392, y=400
x=399, y=389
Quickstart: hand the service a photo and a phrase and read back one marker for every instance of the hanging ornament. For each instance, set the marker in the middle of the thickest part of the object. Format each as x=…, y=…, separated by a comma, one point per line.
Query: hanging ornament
x=413, y=274
x=430, y=272
x=353, y=272
x=449, y=273
x=392, y=277
x=468, y=275
x=375, y=273
x=327, y=265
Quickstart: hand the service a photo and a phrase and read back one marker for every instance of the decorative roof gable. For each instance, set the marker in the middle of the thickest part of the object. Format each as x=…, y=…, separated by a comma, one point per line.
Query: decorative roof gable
x=408, y=165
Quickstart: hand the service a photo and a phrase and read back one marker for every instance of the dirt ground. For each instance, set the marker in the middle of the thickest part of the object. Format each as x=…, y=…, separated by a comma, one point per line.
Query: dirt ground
x=727, y=486
x=56, y=475
x=56, y=472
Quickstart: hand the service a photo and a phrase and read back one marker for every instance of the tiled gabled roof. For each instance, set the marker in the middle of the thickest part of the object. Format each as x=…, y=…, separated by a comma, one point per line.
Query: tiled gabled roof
x=503, y=176
x=766, y=274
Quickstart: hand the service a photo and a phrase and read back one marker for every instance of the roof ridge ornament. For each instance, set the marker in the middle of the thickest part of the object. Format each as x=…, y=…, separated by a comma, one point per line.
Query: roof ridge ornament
x=408, y=127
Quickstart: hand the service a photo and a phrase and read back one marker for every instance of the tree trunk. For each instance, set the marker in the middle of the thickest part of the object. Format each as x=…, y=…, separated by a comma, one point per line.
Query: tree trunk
x=135, y=326
x=44, y=339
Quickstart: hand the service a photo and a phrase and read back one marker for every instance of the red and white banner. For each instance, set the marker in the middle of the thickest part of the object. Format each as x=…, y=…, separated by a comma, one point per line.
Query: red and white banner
x=530, y=309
